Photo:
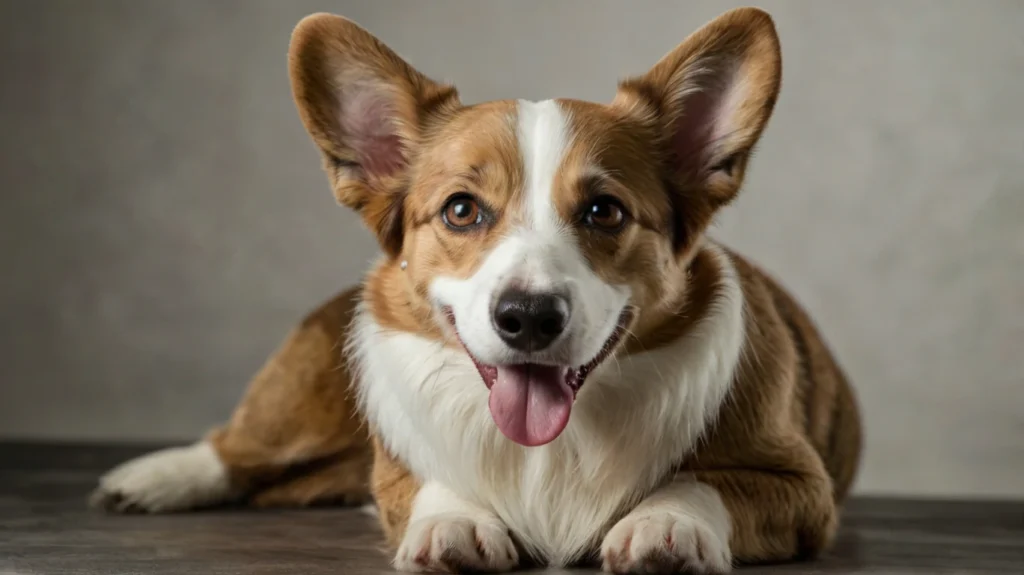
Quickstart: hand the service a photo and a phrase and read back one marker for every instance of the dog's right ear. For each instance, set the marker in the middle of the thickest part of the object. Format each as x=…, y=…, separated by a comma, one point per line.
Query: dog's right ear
x=367, y=110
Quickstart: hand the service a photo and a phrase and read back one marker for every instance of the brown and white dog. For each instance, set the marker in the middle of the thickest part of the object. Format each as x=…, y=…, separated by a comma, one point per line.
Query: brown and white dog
x=552, y=364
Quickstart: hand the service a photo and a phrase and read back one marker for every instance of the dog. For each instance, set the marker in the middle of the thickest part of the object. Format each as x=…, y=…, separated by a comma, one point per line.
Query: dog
x=552, y=363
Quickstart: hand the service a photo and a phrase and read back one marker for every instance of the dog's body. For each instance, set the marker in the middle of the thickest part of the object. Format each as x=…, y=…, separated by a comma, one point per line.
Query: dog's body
x=555, y=251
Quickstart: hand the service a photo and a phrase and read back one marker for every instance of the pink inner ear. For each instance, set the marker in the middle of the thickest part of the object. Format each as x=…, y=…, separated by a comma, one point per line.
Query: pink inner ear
x=367, y=120
x=704, y=121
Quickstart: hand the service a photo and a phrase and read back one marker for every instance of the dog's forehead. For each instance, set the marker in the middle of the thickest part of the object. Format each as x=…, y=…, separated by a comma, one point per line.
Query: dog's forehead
x=527, y=158
x=509, y=136
x=476, y=136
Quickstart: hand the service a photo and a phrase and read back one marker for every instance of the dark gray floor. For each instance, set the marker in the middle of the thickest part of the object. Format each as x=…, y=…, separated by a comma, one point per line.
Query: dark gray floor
x=45, y=528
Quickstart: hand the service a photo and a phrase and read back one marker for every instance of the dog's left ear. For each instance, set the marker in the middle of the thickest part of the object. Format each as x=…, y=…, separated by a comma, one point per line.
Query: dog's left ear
x=708, y=101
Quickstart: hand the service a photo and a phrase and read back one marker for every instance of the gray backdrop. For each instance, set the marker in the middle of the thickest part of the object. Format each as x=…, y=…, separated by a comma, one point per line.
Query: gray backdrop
x=163, y=219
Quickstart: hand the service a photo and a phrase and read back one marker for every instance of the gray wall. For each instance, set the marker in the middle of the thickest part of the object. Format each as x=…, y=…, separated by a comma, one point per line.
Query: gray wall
x=163, y=220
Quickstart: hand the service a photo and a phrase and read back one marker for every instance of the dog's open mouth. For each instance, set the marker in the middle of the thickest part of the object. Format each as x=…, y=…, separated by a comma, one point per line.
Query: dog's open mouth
x=530, y=403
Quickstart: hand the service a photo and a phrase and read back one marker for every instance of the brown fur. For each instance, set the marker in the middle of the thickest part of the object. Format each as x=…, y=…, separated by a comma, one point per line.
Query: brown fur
x=782, y=452
x=767, y=453
x=296, y=437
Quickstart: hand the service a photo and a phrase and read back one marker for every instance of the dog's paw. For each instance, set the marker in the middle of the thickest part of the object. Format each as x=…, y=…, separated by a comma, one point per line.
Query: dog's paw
x=456, y=544
x=665, y=542
x=168, y=480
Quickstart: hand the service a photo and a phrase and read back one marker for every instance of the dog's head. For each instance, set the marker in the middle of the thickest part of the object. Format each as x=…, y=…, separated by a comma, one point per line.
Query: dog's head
x=537, y=234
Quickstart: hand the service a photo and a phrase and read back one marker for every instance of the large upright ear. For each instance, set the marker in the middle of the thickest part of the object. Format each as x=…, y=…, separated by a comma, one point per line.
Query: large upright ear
x=709, y=100
x=367, y=110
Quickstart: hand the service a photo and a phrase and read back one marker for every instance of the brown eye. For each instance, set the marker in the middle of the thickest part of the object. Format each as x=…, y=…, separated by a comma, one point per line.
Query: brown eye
x=462, y=212
x=605, y=213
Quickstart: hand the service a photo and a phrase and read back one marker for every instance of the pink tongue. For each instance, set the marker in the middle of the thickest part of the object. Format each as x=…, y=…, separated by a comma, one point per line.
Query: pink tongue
x=531, y=403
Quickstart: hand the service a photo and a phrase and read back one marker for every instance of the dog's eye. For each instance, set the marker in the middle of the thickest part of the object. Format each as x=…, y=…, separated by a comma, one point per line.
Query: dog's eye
x=605, y=213
x=462, y=211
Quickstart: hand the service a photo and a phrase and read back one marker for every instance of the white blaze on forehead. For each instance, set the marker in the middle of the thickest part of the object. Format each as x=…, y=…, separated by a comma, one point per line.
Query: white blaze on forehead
x=543, y=133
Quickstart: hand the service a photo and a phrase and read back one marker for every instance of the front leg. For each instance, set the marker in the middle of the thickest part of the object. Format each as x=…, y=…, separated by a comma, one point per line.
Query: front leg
x=682, y=527
x=447, y=533
x=703, y=521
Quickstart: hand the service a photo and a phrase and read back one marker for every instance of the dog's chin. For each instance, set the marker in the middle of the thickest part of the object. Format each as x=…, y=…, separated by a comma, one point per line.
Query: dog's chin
x=531, y=402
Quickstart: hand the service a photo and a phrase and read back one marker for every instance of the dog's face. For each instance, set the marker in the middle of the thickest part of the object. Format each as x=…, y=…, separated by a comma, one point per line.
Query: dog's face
x=537, y=234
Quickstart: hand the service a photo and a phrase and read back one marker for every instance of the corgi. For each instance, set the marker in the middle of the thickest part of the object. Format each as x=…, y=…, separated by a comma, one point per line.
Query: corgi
x=552, y=363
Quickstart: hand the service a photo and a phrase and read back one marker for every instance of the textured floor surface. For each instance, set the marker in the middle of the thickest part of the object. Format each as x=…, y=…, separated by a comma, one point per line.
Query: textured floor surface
x=45, y=528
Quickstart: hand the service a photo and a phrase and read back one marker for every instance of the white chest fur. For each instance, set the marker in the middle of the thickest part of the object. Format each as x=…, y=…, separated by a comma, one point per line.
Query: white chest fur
x=633, y=420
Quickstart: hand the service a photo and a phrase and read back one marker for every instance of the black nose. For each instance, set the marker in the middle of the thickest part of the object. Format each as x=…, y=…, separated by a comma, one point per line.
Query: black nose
x=528, y=321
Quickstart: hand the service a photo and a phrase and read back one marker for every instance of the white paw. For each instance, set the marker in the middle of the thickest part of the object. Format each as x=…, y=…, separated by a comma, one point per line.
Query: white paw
x=168, y=480
x=455, y=544
x=665, y=542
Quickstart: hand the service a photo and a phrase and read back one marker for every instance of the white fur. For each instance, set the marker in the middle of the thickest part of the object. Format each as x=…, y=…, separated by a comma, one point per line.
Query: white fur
x=444, y=528
x=682, y=525
x=633, y=420
x=172, y=479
